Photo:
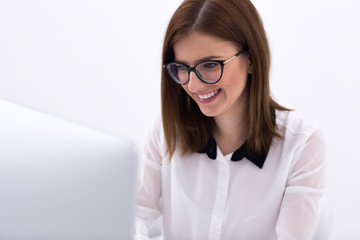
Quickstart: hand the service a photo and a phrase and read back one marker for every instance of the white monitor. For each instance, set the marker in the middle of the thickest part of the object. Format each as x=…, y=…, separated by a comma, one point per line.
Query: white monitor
x=61, y=180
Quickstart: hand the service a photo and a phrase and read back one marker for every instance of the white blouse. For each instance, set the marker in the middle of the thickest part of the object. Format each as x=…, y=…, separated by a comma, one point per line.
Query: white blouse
x=200, y=198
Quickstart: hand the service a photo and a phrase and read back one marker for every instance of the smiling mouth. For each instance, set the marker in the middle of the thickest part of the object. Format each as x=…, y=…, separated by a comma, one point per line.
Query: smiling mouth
x=208, y=95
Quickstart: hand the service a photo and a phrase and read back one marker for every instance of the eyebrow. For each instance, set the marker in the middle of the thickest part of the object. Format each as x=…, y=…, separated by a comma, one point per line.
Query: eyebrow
x=199, y=60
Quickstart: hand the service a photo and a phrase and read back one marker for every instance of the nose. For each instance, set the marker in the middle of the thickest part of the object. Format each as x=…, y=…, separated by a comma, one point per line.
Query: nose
x=195, y=84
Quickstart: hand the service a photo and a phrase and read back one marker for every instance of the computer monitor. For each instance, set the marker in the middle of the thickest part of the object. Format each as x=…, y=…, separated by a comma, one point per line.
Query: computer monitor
x=61, y=180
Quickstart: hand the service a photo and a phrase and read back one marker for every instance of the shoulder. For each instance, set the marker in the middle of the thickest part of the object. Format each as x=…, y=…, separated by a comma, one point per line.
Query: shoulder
x=296, y=130
x=155, y=140
x=290, y=122
x=300, y=137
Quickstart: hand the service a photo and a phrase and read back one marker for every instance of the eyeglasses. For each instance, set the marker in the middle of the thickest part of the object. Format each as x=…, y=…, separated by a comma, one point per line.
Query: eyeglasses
x=209, y=71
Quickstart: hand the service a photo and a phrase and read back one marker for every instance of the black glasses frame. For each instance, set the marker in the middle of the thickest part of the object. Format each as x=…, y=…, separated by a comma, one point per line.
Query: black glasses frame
x=193, y=69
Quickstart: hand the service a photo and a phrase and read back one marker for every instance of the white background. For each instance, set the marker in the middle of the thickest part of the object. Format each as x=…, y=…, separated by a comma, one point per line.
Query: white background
x=98, y=62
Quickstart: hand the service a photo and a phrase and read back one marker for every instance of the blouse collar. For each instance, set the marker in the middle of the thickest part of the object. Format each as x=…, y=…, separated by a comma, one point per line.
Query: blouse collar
x=257, y=159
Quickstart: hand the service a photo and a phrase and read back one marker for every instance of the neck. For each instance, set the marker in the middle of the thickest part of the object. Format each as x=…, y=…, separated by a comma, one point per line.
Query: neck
x=231, y=128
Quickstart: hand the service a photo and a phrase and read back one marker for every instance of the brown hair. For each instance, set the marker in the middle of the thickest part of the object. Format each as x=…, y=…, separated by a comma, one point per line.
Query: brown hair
x=239, y=22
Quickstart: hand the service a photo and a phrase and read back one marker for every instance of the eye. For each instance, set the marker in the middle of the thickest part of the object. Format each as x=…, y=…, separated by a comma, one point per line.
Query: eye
x=210, y=65
x=181, y=67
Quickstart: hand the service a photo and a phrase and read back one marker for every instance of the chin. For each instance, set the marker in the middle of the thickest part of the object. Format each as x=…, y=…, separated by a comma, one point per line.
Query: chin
x=209, y=113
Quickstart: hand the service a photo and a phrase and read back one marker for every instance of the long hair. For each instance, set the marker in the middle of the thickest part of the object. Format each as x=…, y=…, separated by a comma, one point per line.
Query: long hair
x=239, y=22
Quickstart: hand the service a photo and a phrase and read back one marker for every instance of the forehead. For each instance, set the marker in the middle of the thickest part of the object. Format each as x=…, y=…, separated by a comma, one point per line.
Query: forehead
x=197, y=45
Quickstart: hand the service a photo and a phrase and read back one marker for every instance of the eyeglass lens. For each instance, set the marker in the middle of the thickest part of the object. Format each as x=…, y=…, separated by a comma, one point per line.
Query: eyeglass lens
x=208, y=71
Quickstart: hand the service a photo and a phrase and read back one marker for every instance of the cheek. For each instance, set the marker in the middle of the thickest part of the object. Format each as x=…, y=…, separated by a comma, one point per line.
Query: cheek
x=234, y=81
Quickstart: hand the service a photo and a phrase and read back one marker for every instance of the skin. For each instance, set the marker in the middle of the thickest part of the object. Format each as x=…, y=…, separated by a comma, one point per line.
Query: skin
x=228, y=106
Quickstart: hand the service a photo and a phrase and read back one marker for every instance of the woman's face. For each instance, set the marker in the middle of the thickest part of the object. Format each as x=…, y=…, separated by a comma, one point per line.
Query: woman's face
x=226, y=96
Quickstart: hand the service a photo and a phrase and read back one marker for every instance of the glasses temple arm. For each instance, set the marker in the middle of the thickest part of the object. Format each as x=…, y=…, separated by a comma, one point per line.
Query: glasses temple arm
x=236, y=55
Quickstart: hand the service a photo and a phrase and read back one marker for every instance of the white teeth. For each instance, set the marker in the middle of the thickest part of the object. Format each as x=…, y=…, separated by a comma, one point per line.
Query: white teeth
x=209, y=95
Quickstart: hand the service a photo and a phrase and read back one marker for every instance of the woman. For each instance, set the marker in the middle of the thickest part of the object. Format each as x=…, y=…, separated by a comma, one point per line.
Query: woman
x=216, y=111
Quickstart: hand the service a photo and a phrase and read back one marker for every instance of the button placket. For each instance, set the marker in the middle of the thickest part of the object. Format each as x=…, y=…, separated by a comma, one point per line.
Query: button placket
x=220, y=198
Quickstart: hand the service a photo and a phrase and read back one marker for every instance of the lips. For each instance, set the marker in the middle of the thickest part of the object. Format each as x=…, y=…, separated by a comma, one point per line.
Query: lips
x=207, y=97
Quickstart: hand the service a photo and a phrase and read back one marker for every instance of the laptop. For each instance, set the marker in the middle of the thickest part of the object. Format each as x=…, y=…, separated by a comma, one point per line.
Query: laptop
x=61, y=180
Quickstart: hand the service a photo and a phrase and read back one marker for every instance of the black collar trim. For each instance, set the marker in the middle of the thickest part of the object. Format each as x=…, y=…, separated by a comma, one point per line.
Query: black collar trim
x=239, y=154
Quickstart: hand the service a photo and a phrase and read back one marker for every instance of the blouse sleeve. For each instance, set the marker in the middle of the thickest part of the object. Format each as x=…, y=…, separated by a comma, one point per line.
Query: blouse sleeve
x=303, y=190
x=149, y=184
